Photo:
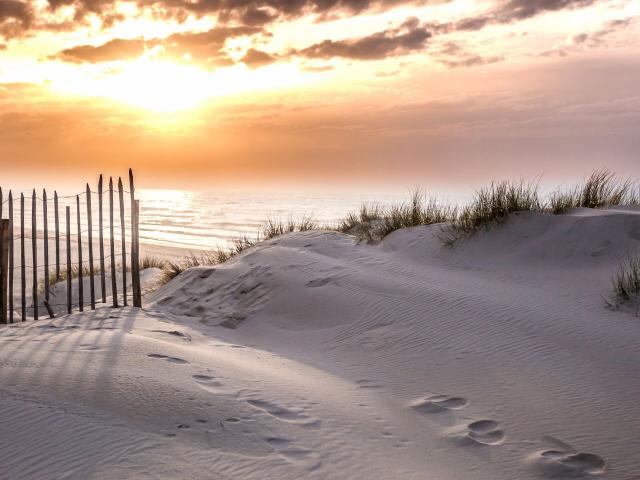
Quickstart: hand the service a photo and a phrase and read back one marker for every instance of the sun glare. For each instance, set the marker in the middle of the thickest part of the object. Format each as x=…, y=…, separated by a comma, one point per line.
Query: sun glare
x=164, y=86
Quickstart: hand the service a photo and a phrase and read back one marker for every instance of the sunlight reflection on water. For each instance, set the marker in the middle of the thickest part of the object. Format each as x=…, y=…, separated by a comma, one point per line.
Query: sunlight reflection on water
x=197, y=220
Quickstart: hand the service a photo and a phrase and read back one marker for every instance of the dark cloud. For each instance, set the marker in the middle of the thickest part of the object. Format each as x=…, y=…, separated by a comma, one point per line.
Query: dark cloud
x=508, y=12
x=453, y=55
x=248, y=12
x=472, y=61
x=522, y=9
x=16, y=17
x=586, y=41
x=117, y=49
x=203, y=47
x=407, y=38
x=256, y=58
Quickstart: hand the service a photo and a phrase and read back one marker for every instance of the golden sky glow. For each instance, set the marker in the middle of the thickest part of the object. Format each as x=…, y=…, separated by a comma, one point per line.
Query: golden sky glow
x=278, y=88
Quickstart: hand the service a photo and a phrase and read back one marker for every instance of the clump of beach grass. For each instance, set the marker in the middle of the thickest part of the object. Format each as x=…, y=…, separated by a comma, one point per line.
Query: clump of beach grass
x=493, y=205
x=149, y=261
x=626, y=281
x=374, y=222
x=600, y=190
x=367, y=214
x=272, y=228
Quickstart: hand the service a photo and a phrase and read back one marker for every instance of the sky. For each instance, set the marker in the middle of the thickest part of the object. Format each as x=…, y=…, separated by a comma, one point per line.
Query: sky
x=217, y=93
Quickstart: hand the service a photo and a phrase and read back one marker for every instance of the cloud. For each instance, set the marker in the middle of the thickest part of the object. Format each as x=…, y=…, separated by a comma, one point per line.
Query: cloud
x=15, y=18
x=452, y=55
x=247, y=12
x=256, y=58
x=472, y=61
x=588, y=41
x=407, y=38
x=117, y=49
x=508, y=12
x=203, y=47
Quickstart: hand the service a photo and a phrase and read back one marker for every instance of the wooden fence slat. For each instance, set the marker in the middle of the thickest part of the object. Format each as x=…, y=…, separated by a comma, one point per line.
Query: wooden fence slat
x=57, y=233
x=80, y=266
x=34, y=250
x=124, y=243
x=23, y=278
x=137, y=297
x=4, y=258
x=135, y=244
x=114, y=286
x=92, y=287
x=69, y=296
x=45, y=227
x=11, y=259
x=103, y=281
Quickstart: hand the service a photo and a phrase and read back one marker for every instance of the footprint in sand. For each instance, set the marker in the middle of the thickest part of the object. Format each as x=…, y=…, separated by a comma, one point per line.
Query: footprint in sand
x=168, y=359
x=282, y=413
x=319, y=282
x=439, y=404
x=562, y=464
x=212, y=385
x=301, y=457
x=366, y=383
x=485, y=432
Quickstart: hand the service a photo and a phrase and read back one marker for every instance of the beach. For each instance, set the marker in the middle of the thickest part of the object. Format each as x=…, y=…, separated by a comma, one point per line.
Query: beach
x=314, y=355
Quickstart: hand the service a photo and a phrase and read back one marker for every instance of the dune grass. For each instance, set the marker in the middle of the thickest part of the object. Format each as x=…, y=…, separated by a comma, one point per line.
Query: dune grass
x=374, y=222
x=626, y=281
x=273, y=227
x=490, y=205
x=600, y=190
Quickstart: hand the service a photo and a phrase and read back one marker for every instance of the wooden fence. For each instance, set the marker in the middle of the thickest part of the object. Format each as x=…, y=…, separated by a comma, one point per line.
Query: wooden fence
x=94, y=268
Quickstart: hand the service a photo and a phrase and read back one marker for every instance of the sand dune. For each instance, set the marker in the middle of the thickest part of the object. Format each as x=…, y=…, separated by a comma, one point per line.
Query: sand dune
x=312, y=356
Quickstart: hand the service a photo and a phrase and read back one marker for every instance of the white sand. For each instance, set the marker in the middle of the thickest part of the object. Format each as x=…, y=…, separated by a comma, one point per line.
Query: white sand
x=497, y=359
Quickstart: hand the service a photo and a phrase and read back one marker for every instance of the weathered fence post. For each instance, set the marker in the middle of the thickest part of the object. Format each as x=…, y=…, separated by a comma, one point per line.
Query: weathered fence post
x=23, y=278
x=124, y=243
x=4, y=267
x=46, y=244
x=34, y=252
x=57, y=232
x=135, y=263
x=114, y=286
x=11, y=260
x=135, y=244
x=92, y=287
x=68, y=212
x=80, y=266
x=101, y=234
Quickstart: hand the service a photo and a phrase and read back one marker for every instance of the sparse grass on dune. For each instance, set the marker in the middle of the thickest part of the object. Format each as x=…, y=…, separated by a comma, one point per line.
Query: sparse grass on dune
x=626, y=281
x=272, y=228
x=375, y=222
x=149, y=261
x=600, y=190
x=491, y=205
x=366, y=214
x=146, y=262
x=276, y=227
